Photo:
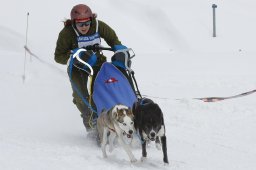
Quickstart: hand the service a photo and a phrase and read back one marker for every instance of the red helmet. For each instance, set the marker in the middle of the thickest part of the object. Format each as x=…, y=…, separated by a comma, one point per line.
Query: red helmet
x=81, y=12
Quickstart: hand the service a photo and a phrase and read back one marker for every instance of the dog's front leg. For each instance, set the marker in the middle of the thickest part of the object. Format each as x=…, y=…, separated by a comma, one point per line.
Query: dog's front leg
x=104, y=141
x=143, y=144
x=111, y=140
x=127, y=149
x=164, y=148
x=158, y=145
x=144, y=151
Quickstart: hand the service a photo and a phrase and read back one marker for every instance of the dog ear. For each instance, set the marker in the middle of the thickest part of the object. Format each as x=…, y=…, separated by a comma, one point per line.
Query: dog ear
x=114, y=114
x=134, y=106
x=130, y=111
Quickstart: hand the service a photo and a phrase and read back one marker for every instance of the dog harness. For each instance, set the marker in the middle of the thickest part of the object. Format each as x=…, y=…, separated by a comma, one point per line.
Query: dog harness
x=145, y=101
x=110, y=128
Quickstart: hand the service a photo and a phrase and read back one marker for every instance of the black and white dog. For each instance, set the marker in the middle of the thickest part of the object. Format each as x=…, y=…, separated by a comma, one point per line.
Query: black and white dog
x=149, y=122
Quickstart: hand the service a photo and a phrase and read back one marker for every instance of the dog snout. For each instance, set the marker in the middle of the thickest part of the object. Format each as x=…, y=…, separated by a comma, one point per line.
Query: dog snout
x=130, y=132
x=152, y=134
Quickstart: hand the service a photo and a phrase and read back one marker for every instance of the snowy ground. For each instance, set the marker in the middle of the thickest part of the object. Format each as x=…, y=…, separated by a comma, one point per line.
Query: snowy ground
x=176, y=60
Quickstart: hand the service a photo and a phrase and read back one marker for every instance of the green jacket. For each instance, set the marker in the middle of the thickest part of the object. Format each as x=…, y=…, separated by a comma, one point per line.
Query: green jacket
x=67, y=40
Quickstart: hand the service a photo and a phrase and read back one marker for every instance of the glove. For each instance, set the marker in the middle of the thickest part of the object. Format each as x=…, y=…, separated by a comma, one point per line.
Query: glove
x=118, y=59
x=75, y=50
x=92, y=60
x=86, y=56
x=122, y=60
x=119, y=47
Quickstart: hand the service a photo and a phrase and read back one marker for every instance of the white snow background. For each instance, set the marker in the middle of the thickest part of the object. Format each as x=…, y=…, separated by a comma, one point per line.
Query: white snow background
x=177, y=59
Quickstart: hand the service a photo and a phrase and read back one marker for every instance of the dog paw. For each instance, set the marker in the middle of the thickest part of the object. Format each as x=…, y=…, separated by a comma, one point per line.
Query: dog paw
x=133, y=160
x=158, y=146
x=105, y=155
x=110, y=149
x=143, y=159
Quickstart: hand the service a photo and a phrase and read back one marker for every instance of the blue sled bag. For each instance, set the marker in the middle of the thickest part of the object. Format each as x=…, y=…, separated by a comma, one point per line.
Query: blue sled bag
x=111, y=87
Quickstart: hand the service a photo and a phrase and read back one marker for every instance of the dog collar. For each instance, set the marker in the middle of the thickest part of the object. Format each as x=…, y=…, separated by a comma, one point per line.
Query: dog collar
x=142, y=101
x=145, y=101
x=113, y=130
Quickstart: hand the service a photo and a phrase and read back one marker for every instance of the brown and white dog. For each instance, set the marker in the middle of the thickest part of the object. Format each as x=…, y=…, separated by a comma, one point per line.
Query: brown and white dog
x=116, y=122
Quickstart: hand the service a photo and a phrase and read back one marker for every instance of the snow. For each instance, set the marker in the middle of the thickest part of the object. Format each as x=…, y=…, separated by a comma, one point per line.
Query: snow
x=177, y=59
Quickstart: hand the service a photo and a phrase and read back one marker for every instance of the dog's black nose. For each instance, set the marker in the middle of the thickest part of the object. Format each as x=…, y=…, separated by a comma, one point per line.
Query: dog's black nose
x=152, y=134
x=130, y=131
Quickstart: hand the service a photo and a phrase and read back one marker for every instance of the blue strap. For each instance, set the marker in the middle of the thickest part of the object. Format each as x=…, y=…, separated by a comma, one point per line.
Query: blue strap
x=75, y=87
x=119, y=64
x=142, y=101
x=119, y=47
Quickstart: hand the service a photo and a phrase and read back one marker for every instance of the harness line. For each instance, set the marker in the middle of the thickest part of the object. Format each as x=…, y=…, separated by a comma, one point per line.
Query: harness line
x=90, y=102
x=216, y=99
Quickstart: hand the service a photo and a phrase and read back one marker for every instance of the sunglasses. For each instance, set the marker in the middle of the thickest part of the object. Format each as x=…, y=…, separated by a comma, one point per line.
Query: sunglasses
x=81, y=24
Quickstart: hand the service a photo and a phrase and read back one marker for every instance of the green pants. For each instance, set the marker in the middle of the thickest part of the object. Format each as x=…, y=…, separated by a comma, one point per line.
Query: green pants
x=79, y=80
